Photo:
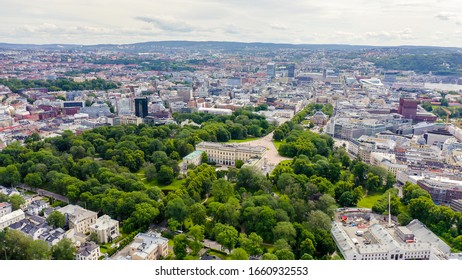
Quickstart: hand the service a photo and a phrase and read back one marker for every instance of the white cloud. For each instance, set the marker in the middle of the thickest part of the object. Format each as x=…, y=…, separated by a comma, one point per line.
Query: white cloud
x=378, y=22
x=446, y=16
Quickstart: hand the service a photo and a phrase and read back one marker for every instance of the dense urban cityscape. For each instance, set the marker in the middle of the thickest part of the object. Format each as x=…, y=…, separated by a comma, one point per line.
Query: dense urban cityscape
x=230, y=151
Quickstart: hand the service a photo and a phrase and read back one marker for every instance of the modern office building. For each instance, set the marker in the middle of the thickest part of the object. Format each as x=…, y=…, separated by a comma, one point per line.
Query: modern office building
x=291, y=70
x=271, y=70
x=141, y=107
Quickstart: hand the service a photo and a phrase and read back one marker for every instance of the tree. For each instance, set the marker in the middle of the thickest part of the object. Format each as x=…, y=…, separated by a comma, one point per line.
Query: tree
x=227, y=236
x=144, y=214
x=222, y=190
x=251, y=244
x=284, y=254
x=150, y=171
x=38, y=250
x=197, y=214
x=180, y=246
x=269, y=257
x=197, y=232
x=319, y=220
x=427, y=106
x=33, y=179
x=411, y=191
x=239, y=163
x=347, y=199
x=16, y=201
x=204, y=158
x=286, y=231
x=56, y=219
x=64, y=250
x=10, y=175
x=165, y=175
x=239, y=254
x=307, y=247
x=177, y=210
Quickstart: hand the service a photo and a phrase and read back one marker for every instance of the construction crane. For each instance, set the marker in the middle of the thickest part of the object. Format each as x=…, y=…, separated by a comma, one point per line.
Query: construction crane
x=448, y=113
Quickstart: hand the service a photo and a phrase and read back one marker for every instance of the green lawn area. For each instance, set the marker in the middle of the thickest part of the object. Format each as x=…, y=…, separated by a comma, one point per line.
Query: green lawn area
x=268, y=247
x=277, y=144
x=243, y=140
x=369, y=200
x=221, y=255
x=176, y=184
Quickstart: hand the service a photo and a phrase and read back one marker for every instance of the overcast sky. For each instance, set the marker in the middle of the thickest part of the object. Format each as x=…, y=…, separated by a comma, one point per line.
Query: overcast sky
x=369, y=22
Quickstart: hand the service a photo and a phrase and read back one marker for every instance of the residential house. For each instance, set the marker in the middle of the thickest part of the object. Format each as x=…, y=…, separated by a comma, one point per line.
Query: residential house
x=5, y=208
x=89, y=252
x=106, y=229
x=11, y=218
x=78, y=218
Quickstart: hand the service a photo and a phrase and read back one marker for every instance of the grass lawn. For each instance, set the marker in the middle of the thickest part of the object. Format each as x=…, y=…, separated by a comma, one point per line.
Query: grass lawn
x=176, y=184
x=221, y=255
x=369, y=200
x=243, y=140
x=277, y=144
x=268, y=247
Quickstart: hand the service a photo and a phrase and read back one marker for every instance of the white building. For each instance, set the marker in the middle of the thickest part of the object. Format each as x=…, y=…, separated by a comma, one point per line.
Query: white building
x=11, y=218
x=215, y=111
x=228, y=154
x=78, y=218
x=106, y=229
x=413, y=242
x=147, y=246
x=5, y=208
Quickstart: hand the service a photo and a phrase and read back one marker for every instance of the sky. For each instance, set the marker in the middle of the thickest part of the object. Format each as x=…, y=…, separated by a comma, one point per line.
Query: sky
x=357, y=22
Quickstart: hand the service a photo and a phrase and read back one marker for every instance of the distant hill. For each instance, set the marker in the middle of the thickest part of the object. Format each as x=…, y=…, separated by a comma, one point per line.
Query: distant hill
x=230, y=46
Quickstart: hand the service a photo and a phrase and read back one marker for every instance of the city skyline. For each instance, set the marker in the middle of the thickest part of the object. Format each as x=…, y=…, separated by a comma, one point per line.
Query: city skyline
x=358, y=22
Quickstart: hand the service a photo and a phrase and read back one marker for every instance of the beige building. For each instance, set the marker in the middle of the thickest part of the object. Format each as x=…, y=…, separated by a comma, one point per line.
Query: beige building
x=11, y=218
x=148, y=246
x=88, y=252
x=227, y=154
x=5, y=208
x=78, y=218
x=106, y=229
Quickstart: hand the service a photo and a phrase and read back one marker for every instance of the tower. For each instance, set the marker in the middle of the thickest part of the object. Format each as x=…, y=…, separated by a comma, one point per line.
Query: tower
x=291, y=70
x=141, y=107
x=271, y=70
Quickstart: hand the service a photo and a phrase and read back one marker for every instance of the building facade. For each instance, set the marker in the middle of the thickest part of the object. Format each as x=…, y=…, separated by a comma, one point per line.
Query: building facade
x=88, y=252
x=228, y=154
x=78, y=218
x=106, y=229
x=5, y=208
x=11, y=218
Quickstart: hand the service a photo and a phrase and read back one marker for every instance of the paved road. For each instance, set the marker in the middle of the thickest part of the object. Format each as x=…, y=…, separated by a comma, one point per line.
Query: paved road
x=272, y=156
x=45, y=193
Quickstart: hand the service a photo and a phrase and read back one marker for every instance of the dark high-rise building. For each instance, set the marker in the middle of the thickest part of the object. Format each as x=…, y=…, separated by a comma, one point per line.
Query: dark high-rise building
x=291, y=70
x=141, y=107
x=271, y=70
x=408, y=108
